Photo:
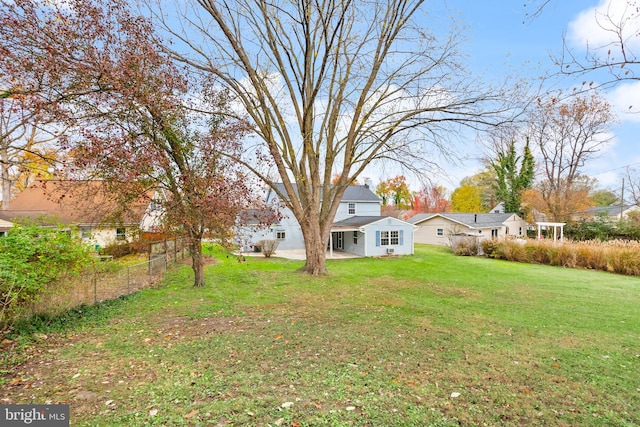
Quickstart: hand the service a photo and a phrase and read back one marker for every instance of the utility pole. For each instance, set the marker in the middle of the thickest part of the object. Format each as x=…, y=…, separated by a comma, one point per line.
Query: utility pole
x=622, y=200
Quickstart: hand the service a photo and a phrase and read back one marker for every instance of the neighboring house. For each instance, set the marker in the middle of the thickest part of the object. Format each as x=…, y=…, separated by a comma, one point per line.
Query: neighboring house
x=613, y=212
x=358, y=227
x=85, y=206
x=499, y=208
x=435, y=229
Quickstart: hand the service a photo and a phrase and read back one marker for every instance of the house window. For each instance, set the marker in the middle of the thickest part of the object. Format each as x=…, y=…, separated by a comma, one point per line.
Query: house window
x=352, y=208
x=121, y=233
x=2, y=233
x=85, y=232
x=155, y=206
x=355, y=237
x=440, y=231
x=280, y=235
x=494, y=233
x=384, y=238
x=389, y=238
x=520, y=231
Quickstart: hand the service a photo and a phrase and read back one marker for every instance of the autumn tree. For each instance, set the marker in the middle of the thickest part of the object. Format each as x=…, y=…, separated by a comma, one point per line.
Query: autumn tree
x=538, y=206
x=431, y=198
x=333, y=86
x=466, y=198
x=132, y=101
x=567, y=135
x=395, y=191
x=484, y=181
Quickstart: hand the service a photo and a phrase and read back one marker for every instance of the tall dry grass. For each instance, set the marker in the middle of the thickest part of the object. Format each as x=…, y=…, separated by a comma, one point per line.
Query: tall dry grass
x=615, y=256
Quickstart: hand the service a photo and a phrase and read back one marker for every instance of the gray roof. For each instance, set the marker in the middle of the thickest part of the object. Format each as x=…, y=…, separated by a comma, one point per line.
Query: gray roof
x=353, y=193
x=357, y=221
x=472, y=220
x=612, y=210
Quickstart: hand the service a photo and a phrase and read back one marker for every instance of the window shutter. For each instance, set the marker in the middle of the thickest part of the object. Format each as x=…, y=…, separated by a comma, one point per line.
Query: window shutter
x=400, y=234
x=377, y=237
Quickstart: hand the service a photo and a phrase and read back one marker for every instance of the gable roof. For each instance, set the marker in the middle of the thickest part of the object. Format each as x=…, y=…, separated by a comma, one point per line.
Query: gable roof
x=471, y=220
x=356, y=222
x=612, y=210
x=353, y=193
x=75, y=202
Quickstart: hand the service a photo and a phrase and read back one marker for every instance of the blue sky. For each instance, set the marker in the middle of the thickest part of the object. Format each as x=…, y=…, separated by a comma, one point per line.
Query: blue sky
x=501, y=40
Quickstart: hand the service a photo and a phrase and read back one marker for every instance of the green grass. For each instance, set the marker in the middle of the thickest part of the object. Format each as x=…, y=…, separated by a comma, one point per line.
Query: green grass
x=376, y=342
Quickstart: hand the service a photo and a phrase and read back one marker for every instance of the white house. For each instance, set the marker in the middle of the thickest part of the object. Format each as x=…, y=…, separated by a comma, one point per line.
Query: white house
x=86, y=206
x=358, y=227
x=435, y=228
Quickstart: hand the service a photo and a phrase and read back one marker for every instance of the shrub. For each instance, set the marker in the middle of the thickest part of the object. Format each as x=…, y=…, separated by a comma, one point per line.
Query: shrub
x=268, y=247
x=513, y=250
x=117, y=250
x=31, y=258
x=464, y=245
x=490, y=246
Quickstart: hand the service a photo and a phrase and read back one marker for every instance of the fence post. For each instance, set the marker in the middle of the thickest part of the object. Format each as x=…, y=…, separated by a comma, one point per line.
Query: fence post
x=95, y=288
x=128, y=280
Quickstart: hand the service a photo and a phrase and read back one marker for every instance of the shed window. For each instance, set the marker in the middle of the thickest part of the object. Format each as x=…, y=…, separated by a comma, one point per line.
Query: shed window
x=280, y=235
x=440, y=231
x=121, y=233
x=352, y=208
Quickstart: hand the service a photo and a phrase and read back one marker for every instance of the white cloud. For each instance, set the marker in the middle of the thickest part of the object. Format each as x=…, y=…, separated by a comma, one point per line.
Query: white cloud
x=596, y=27
x=625, y=100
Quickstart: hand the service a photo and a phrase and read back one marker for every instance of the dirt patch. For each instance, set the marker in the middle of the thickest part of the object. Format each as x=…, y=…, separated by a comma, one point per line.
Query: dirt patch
x=206, y=260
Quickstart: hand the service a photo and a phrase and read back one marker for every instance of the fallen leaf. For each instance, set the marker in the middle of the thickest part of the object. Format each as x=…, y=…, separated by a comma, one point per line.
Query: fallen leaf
x=108, y=402
x=316, y=404
x=15, y=381
x=76, y=375
x=287, y=404
x=555, y=366
x=279, y=337
x=455, y=394
x=279, y=421
x=351, y=408
x=295, y=424
x=153, y=412
x=192, y=413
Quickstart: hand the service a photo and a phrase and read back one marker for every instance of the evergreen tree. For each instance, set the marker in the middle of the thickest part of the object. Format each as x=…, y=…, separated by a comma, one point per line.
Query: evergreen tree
x=512, y=181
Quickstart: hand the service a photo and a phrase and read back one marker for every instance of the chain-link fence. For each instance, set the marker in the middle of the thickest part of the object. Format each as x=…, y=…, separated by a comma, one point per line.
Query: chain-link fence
x=109, y=280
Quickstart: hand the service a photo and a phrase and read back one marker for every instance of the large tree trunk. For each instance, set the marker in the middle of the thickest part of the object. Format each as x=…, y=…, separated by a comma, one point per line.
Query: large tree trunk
x=195, y=247
x=315, y=247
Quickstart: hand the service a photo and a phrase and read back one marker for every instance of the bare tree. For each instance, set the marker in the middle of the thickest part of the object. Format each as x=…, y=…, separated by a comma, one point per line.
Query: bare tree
x=632, y=177
x=567, y=134
x=331, y=86
x=613, y=52
x=20, y=138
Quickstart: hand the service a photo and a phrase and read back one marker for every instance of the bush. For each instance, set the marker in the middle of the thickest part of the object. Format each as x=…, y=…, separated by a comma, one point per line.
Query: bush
x=490, y=246
x=513, y=250
x=464, y=245
x=117, y=250
x=31, y=258
x=268, y=247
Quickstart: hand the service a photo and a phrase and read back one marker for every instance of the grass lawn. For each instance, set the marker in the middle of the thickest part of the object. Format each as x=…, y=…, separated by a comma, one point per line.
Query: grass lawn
x=426, y=340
